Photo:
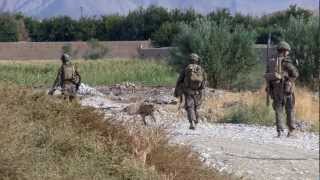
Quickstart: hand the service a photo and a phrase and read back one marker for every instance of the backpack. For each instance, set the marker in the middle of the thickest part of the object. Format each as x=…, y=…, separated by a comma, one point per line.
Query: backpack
x=193, y=77
x=68, y=72
x=274, y=69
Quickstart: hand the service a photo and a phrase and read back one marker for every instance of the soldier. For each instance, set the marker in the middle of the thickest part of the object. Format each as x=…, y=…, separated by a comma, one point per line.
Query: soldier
x=280, y=78
x=191, y=84
x=68, y=78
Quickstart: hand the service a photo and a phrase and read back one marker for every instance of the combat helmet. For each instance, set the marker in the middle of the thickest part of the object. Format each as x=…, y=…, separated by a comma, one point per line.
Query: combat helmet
x=65, y=58
x=194, y=57
x=283, y=45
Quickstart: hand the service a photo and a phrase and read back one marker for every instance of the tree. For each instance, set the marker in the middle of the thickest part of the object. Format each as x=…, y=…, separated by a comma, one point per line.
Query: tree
x=110, y=28
x=225, y=51
x=58, y=29
x=12, y=28
x=220, y=16
x=86, y=28
x=165, y=35
x=304, y=40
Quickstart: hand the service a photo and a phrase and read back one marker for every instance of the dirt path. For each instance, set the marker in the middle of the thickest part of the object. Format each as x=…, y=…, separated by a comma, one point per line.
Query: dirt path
x=248, y=152
x=252, y=152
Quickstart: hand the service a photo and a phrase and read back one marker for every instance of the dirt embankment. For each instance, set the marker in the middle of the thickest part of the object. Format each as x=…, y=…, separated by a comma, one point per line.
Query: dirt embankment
x=244, y=151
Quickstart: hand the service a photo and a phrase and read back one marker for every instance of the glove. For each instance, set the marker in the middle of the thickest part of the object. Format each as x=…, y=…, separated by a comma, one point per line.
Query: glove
x=51, y=92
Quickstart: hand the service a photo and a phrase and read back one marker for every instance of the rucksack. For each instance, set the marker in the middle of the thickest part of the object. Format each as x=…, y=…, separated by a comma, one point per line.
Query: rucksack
x=68, y=72
x=274, y=69
x=193, y=77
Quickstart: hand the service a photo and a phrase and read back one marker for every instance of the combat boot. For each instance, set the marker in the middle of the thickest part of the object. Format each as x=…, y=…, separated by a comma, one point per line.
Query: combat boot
x=279, y=133
x=292, y=133
x=192, y=126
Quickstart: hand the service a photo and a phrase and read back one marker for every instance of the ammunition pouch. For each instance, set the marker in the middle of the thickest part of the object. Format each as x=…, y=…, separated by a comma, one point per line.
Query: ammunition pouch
x=272, y=76
x=288, y=87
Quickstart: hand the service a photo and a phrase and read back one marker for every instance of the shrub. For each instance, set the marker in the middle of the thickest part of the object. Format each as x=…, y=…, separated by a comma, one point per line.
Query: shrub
x=256, y=113
x=165, y=35
x=67, y=48
x=225, y=51
x=304, y=39
x=97, y=50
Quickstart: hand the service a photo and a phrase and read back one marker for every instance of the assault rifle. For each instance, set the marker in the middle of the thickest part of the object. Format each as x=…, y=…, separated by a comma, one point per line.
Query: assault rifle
x=268, y=56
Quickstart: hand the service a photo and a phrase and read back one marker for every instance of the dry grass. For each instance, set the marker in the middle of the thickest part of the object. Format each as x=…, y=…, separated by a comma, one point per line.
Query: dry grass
x=217, y=107
x=307, y=107
x=44, y=138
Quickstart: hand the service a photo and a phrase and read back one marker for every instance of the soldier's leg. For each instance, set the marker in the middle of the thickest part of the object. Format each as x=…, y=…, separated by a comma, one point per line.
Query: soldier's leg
x=198, y=102
x=144, y=120
x=278, y=108
x=289, y=105
x=196, y=115
x=71, y=91
x=190, y=108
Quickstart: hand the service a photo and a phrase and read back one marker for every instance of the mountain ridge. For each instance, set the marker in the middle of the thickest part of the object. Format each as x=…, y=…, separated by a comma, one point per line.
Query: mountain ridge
x=49, y=8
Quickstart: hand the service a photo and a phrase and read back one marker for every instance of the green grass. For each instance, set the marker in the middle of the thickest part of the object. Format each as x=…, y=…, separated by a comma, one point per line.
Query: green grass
x=102, y=72
x=246, y=114
x=256, y=113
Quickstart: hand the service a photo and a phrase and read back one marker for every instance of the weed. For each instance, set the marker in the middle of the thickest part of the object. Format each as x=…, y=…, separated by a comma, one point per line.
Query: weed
x=45, y=138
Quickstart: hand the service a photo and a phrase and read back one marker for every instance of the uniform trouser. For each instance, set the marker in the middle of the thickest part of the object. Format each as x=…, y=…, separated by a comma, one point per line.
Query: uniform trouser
x=69, y=90
x=287, y=103
x=192, y=105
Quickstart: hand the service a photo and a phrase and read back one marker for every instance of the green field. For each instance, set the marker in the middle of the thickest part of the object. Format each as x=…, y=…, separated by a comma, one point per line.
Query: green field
x=101, y=72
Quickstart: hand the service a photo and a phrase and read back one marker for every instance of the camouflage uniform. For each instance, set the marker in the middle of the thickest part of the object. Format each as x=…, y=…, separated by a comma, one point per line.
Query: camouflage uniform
x=282, y=94
x=69, y=87
x=193, y=98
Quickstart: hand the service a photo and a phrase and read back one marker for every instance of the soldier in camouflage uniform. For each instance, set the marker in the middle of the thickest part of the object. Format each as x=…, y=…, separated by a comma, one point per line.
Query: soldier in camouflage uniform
x=193, y=95
x=68, y=78
x=281, y=90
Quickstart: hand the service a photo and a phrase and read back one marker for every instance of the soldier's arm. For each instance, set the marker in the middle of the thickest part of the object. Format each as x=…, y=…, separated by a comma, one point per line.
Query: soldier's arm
x=292, y=71
x=57, y=81
x=181, y=77
x=205, y=81
x=77, y=74
x=177, y=91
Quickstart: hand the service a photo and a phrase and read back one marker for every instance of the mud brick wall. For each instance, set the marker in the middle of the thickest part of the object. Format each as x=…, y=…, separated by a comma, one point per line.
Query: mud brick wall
x=53, y=50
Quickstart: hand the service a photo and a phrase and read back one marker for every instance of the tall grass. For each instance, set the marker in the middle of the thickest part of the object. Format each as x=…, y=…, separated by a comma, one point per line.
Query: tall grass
x=45, y=138
x=102, y=72
x=250, y=108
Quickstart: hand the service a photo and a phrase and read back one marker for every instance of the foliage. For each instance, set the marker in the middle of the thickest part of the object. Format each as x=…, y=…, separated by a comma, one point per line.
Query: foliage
x=225, y=51
x=67, y=48
x=257, y=113
x=165, y=35
x=97, y=50
x=304, y=40
x=8, y=28
x=110, y=28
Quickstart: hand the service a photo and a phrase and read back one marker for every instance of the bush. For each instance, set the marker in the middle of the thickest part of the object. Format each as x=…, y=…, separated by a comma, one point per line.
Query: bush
x=165, y=35
x=225, y=51
x=257, y=113
x=304, y=40
x=97, y=50
x=67, y=48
